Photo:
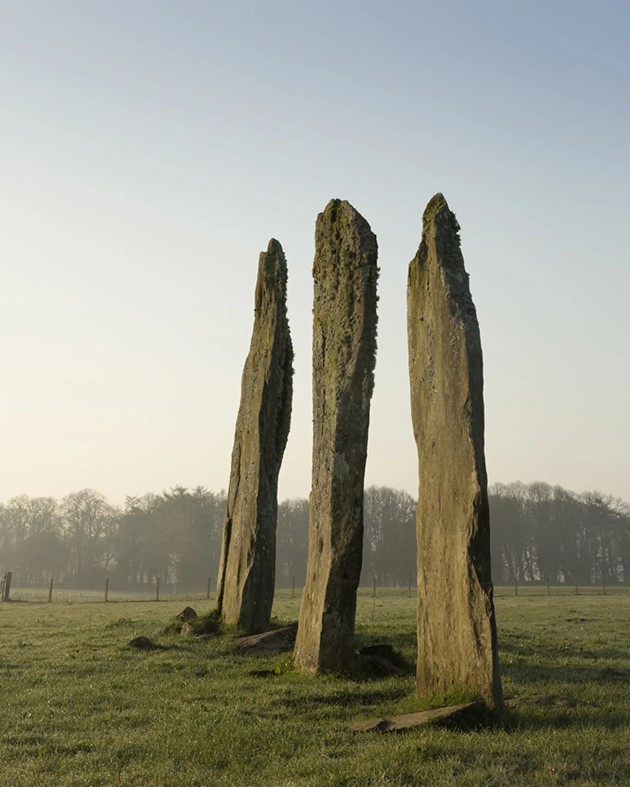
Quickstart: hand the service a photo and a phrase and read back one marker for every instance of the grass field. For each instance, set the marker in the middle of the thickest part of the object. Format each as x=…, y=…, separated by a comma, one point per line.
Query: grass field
x=79, y=707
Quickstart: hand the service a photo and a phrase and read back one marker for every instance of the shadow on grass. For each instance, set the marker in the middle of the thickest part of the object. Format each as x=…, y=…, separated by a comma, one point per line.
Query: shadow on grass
x=348, y=699
x=531, y=651
x=529, y=667
x=586, y=717
x=153, y=649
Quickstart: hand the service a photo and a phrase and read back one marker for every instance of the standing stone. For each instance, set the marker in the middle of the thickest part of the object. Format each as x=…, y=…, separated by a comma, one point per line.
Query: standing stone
x=457, y=642
x=247, y=568
x=344, y=350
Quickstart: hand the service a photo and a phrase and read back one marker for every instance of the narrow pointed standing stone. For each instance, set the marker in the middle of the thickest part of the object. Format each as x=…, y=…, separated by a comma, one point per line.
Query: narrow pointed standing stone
x=248, y=553
x=457, y=642
x=344, y=348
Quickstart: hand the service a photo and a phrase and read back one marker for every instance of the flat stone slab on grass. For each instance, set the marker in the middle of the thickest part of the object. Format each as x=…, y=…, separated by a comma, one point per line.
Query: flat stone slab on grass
x=470, y=714
x=274, y=640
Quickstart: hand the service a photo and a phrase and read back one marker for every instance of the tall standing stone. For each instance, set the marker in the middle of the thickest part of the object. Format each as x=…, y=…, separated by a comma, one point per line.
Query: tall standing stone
x=457, y=642
x=247, y=568
x=344, y=349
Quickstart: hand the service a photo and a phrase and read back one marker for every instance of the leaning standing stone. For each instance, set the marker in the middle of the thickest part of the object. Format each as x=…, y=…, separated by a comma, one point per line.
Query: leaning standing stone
x=344, y=350
x=247, y=568
x=457, y=642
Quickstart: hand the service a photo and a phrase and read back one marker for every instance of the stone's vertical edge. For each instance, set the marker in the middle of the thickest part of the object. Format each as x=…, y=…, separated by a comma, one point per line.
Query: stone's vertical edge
x=246, y=580
x=457, y=641
x=345, y=275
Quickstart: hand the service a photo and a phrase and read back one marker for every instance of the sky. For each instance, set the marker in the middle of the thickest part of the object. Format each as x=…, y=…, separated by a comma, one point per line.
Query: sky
x=150, y=150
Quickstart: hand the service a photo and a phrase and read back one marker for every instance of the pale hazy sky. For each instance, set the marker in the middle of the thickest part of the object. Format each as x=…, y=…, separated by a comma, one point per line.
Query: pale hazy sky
x=150, y=149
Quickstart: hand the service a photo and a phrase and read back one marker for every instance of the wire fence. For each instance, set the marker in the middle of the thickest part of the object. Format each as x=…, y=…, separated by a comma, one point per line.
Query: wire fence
x=110, y=592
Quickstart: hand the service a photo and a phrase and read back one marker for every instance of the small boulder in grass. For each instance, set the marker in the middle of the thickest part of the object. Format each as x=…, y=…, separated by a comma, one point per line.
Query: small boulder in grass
x=379, y=661
x=188, y=613
x=377, y=666
x=189, y=629
x=202, y=626
x=141, y=643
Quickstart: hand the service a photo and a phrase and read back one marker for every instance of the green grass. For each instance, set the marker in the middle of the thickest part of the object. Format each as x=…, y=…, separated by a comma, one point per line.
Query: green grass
x=79, y=707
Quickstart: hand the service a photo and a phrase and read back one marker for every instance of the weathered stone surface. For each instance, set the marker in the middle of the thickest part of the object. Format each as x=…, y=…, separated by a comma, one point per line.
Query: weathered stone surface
x=457, y=644
x=344, y=347
x=471, y=714
x=247, y=568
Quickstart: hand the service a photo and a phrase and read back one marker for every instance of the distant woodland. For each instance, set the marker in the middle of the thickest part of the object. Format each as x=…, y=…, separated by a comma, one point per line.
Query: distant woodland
x=539, y=534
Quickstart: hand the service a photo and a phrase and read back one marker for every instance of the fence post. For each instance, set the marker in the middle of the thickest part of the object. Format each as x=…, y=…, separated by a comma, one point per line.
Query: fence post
x=515, y=585
x=106, y=588
x=6, y=585
x=209, y=584
x=374, y=588
x=50, y=590
x=577, y=592
x=157, y=589
x=409, y=587
x=292, y=587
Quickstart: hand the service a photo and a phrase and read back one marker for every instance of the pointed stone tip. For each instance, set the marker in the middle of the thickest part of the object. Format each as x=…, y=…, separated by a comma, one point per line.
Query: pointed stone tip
x=274, y=246
x=436, y=204
x=341, y=211
x=333, y=208
x=439, y=216
x=274, y=256
x=336, y=206
x=272, y=268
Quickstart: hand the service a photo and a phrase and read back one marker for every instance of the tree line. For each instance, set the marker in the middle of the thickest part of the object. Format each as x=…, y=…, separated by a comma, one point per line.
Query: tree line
x=546, y=534
x=539, y=534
